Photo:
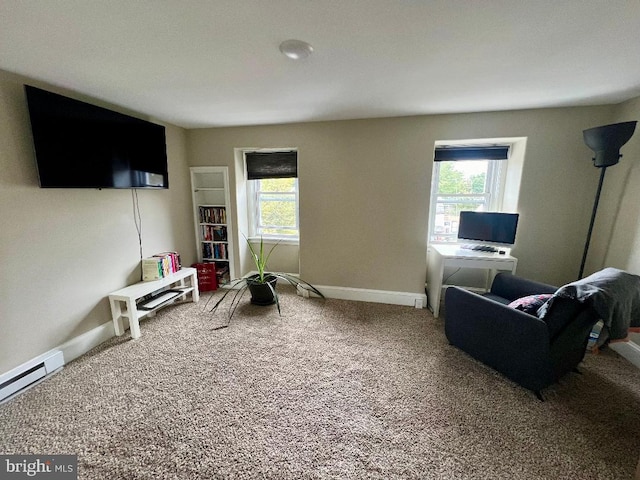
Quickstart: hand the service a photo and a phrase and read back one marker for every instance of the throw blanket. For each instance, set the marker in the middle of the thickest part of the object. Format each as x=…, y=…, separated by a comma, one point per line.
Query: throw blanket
x=614, y=294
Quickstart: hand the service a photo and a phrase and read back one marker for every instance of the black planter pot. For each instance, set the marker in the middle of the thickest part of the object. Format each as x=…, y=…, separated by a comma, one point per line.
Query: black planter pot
x=261, y=293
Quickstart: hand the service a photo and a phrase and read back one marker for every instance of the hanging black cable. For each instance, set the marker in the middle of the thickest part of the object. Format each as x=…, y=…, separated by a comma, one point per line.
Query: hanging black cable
x=137, y=218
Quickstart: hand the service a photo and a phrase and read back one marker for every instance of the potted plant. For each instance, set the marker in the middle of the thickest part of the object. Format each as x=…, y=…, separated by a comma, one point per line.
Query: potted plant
x=262, y=284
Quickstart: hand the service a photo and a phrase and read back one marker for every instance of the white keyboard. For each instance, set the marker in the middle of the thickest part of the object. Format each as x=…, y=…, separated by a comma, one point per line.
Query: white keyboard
x=159, y=299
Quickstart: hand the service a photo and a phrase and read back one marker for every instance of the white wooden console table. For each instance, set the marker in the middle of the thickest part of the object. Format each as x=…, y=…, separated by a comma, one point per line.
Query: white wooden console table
x=172, y=289
x=441, y=256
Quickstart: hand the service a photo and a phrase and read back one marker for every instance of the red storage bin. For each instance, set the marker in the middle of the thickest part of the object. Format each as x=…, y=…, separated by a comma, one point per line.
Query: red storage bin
x=207, y=280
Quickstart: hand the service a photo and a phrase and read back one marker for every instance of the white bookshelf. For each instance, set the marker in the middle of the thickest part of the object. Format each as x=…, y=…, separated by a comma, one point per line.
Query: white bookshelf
x=212, y=217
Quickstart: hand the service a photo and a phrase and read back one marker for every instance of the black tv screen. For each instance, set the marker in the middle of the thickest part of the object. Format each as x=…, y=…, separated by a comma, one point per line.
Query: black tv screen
x=79, y=145
x=490, y=227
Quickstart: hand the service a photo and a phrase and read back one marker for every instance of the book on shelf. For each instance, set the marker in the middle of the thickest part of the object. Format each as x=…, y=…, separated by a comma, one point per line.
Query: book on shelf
x=213, y=233
x=212, y=251
x=219, y=233
x=213, y=214
x=160, y=265
x=172, y=260
x=222, y=274
x=152, y=269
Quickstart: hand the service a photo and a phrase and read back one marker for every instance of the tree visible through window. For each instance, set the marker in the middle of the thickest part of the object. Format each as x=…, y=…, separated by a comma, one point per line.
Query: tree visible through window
x=276, y=207
x=457, y=186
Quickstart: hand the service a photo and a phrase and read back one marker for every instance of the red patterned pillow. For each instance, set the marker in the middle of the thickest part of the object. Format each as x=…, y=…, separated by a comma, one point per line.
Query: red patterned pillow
x=531, y=303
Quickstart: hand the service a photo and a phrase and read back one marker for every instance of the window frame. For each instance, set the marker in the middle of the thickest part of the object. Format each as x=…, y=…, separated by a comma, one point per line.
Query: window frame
x=253, y=208
x=494, y=191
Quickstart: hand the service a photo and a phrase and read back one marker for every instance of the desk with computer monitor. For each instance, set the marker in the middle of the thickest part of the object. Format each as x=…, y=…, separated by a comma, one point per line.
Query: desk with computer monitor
x=439, y=257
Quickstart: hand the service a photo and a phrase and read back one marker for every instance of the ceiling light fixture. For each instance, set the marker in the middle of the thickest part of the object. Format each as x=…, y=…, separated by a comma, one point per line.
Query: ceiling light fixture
x=296, y=49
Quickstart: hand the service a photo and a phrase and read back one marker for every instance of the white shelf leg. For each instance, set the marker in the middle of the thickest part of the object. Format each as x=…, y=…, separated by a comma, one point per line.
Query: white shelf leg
x=116, y=315
x=134, y=324
x=195, y=293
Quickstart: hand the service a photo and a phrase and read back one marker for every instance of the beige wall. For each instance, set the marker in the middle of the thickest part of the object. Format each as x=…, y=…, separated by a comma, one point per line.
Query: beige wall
x=64, y=250
x=364, y=189
x=284, y=258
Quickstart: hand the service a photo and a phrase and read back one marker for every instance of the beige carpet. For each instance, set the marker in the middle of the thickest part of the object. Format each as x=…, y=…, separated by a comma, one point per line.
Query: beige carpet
x=332, y=389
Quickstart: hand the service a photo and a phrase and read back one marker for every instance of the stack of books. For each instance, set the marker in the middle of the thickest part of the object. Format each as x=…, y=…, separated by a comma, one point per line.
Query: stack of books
x=214, y=251
x=222, y=274
x=213, y=215
x=160, y=265
x=216, y=233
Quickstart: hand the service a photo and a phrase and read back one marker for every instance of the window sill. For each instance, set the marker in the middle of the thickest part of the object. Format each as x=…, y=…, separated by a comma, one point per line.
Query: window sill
x=274, y=240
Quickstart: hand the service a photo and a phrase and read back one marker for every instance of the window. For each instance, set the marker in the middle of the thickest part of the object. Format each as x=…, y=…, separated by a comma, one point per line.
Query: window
x=460, y=184
x=274, y=207
x=272, y=189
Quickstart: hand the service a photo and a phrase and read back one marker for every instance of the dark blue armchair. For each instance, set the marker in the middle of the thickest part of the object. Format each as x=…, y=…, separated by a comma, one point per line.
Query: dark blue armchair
x=532, y=352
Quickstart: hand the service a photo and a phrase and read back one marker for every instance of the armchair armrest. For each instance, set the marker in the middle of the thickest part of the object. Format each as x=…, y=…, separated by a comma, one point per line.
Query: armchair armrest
x=512, y=287
x=513, y=342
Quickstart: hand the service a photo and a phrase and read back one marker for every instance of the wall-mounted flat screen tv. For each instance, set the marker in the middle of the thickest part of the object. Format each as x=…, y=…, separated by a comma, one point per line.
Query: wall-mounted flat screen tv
x=79, y=145
x=488, y=227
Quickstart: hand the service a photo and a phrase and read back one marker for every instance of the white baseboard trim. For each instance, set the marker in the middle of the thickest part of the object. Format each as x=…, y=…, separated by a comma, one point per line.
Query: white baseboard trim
x=71, y=350
x=418, y=300
x=30, y=373
x=81, y=344
x=629, y=350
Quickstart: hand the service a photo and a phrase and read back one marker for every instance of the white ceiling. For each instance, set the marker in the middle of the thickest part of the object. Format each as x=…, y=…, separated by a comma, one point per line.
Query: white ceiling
x=216, y=63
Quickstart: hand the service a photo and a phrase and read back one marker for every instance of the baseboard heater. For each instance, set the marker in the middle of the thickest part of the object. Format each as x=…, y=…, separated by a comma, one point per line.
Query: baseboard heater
x=29, y=373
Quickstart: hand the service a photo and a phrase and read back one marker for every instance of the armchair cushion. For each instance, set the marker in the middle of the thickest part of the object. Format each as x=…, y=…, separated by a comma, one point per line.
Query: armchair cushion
x=531, y=303
x=511, y=287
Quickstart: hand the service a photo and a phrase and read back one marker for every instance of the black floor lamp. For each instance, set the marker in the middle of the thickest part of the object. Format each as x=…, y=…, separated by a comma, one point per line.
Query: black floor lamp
x=606, y=142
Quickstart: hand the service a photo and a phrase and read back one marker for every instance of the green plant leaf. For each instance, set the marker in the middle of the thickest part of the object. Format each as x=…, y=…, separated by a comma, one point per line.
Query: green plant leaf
x=275, y=296
x=260, y=261
x=259, y=258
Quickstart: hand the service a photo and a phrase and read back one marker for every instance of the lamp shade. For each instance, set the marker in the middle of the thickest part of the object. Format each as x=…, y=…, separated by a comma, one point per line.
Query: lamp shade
x=607, y=140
